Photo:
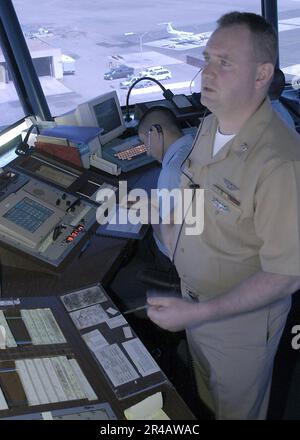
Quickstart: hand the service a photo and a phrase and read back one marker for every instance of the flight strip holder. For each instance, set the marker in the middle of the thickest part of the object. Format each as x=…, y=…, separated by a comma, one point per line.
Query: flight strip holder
x=126, y=364
x=30, y=392
x=98, y=411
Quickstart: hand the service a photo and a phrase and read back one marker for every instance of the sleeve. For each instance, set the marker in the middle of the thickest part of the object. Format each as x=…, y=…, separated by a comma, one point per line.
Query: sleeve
x=277, y=220
x=170, y=180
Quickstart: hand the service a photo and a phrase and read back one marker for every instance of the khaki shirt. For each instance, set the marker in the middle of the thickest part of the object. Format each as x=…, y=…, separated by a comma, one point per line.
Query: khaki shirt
x=251, y=205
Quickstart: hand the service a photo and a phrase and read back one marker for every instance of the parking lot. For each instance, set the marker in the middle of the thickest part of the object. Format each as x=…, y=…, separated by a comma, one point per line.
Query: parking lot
x=130, y=33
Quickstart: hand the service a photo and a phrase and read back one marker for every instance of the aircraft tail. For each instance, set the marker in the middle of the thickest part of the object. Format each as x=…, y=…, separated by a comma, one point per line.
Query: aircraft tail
x=170, y=29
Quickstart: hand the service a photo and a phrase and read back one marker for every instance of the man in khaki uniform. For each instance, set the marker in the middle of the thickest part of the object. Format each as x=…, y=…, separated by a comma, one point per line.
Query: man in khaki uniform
x=238, y=275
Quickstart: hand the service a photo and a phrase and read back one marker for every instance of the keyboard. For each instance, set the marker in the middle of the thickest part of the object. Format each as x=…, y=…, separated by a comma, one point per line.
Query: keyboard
x=131, y=152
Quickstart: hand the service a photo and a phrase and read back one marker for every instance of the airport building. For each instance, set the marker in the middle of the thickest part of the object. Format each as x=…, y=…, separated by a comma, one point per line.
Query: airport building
x=47, y=60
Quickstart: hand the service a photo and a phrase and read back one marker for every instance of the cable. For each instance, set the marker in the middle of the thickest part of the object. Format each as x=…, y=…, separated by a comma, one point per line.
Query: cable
x=193, y=79
x=166, y=93
x=192, y=185
x=23, y=148
x=194, y=143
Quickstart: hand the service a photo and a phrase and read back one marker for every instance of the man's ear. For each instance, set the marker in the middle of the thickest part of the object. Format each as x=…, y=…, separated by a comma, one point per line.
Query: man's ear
x=265, y=72
x=157, y=142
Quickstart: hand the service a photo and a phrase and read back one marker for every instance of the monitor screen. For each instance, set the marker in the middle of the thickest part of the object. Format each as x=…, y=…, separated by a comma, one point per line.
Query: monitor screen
x=107, y=115
x=105, y=112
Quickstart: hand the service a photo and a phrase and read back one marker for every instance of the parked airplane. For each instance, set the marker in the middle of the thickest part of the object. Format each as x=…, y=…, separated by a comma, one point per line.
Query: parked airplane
x=183, y=35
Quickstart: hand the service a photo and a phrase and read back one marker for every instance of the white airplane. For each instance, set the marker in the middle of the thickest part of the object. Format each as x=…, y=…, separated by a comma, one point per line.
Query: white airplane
x=183, y=35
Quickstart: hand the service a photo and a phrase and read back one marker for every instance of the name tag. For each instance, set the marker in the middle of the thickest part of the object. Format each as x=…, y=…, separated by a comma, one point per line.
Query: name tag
x=221, y=207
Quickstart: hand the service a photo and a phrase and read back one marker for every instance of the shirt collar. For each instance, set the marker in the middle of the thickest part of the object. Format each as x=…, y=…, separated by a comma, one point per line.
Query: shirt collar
x=245, y=139
x=253, y=129
x=186, y=139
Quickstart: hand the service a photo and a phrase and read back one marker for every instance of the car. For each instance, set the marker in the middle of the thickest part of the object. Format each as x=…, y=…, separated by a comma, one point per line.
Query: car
x=145, y=83
x=128, y=83
x=160, y=73
x=154, y=69
x=121, y=71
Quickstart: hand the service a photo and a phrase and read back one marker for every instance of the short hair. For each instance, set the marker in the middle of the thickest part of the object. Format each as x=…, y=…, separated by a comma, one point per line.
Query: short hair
x=159, y=115
x=264, y=35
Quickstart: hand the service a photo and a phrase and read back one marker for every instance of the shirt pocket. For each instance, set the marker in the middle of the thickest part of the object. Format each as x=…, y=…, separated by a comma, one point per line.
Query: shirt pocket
x=219, y=208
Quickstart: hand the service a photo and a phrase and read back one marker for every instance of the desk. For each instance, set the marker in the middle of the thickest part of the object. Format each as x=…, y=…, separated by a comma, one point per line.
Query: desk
x=22, y=277
x=74, y=347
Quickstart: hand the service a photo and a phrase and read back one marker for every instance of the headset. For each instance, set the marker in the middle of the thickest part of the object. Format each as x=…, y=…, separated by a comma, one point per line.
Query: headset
x=23, y=149
x=160, y=134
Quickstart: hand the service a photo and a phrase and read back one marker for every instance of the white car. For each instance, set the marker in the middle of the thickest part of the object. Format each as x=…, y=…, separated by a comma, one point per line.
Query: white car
x=159, y=72
x=128, y=83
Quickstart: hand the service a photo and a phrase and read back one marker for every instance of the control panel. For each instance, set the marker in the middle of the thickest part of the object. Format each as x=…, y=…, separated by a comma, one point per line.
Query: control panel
x=81, y=182
x=41, y=220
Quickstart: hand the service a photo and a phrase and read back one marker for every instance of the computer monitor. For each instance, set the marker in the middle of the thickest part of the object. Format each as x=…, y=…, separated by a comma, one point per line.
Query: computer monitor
x=103, y=111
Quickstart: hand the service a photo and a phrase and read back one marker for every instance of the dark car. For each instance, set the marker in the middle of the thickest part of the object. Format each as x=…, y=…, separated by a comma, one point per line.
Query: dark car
x=122, y=71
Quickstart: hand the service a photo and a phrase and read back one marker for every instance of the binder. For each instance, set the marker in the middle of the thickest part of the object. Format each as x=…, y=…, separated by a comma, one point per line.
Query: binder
x=65, y=152
x=71, y=143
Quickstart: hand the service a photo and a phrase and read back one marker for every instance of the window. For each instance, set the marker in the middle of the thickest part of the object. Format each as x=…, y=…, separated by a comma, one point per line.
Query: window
x=75, y=43
x=11, y=109
x=9, y=139
x=288, y=31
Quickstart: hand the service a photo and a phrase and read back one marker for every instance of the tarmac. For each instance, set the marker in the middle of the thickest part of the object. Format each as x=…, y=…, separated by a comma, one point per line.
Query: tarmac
x=94, y=33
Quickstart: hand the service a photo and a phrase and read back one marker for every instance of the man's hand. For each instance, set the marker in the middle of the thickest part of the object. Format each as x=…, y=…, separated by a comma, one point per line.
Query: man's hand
x=259, y=290
x=173, y=314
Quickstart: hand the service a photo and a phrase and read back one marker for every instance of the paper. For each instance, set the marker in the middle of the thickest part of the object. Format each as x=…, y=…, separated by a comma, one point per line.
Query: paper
x=116, y=365
x=42, y=327
x=148, y=409
x=45, y=331
x=63, y=378
x=117, y=321
x=36, y=381
x=32, y=327
x=2, y=337
x=83, y=298
x=3, y=404
x=85, y=385
x=89, y=316
x=27, y=384
x=141, y=357
x=47, y=415
x=71, y=378
x=112, y=311
x=45, y=379
x=94, y=340
x=52, y=327
x=127, y=332
x=50, y=380
x=10, y=340
x=57, y=387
